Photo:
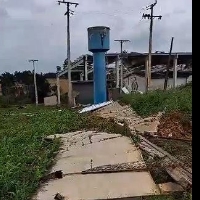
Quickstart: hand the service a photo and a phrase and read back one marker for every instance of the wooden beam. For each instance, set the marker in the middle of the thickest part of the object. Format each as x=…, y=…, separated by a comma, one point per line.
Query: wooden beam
x=176, y=169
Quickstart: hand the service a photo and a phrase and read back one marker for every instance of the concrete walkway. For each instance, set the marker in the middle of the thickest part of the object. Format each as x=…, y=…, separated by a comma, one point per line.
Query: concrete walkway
x=85, y=150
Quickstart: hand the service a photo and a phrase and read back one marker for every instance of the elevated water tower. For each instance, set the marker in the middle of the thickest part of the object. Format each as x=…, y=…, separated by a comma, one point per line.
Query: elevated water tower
x=99, y=44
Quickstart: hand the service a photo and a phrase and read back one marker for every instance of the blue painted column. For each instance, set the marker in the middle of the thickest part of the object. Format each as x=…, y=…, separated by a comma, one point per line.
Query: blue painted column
x=98, y=44
x=100, y=92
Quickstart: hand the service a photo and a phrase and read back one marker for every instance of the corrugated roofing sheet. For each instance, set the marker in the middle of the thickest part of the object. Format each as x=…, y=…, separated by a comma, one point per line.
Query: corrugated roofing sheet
x=95, y=107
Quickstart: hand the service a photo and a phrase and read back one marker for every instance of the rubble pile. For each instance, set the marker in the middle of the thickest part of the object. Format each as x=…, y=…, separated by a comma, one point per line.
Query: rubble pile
x=175, y=126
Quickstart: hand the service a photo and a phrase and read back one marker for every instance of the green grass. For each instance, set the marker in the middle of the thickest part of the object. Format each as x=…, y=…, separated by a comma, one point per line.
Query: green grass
x=158, y=100
x=25, y=155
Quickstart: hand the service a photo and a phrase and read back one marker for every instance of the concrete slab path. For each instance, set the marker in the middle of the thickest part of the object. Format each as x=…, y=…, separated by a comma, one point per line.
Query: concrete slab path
x=80, y=150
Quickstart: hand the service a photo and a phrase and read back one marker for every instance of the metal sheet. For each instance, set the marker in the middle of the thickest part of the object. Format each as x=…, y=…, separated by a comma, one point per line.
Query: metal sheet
x=125, y=90
x=95, y=107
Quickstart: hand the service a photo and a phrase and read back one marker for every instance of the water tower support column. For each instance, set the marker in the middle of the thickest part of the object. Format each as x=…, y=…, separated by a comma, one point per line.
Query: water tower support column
x=100, y=92
x=98, y=44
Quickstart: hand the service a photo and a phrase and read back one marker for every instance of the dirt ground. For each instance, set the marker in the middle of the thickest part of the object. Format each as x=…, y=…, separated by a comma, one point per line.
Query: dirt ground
x=175, y=130
x=175, y=125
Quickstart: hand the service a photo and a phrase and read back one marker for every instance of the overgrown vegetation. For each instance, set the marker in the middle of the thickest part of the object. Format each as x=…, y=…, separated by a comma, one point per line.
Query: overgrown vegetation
x=154, y=101
x=9, y=100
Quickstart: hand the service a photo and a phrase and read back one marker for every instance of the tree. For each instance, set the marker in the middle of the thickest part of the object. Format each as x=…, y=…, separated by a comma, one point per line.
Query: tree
x=43, y=87
x=7, y=79
x=26, y=78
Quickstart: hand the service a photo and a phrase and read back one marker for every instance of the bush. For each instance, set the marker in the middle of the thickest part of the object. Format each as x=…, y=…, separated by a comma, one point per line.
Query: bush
x=9, y=100
x=158, y=100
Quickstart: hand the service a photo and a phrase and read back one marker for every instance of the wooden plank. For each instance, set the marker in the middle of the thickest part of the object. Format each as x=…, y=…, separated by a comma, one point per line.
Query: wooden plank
x=175, y=168
x=156, y=147
x=167, y=138
x=167, y=162
x=165, y=153
x=179, y=175
x=167, y=188
x=152, y=151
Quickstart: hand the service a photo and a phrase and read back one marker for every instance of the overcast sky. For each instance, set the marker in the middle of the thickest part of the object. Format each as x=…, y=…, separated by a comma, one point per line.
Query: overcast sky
x=36, y=29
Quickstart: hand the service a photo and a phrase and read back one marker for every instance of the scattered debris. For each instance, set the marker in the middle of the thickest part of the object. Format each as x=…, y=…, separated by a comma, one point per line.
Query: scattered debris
x=176, y=169
x=181, y=176
x=90, y=138
x=121, y=114
x=54, y=175
x=91, y=162
x=110, y=138
x=95, y=107
x=167, y=188
x=125, y=114
x=122, y=167
x=150, y=150
x=59, y=197
x=155, y=125
x=125, y=90
x=175, y=126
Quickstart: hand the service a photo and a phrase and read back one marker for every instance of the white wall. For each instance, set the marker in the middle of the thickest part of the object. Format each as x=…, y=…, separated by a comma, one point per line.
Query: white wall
x=155, y=83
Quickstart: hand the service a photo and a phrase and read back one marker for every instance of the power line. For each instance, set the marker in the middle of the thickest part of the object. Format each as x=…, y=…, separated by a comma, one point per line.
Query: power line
x=35, y=83
x=68, y=13
x=151, y=17
x=116, y=13
x=121, y=67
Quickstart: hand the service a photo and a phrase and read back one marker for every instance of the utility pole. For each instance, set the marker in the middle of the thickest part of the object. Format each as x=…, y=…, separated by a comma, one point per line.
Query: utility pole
x=168, y=64
x=117, y=71
x=146, y=75
x=175, y=62
x=68, y=12
x=58, y=85
x=35, y=83
x=121, y=68
x=151, y=17
x=86, y=67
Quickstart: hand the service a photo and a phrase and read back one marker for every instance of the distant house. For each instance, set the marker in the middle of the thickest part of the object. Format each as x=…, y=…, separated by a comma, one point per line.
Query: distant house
x=53, y=85
x=51, y=79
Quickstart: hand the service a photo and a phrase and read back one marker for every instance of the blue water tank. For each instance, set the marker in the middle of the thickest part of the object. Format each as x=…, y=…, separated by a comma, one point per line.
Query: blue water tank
x=98, y=39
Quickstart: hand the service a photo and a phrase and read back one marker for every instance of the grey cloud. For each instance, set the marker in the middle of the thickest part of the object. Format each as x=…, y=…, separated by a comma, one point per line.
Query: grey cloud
x=43, y=34
x=105, y=3
x=3, y=13
x=30, y=5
